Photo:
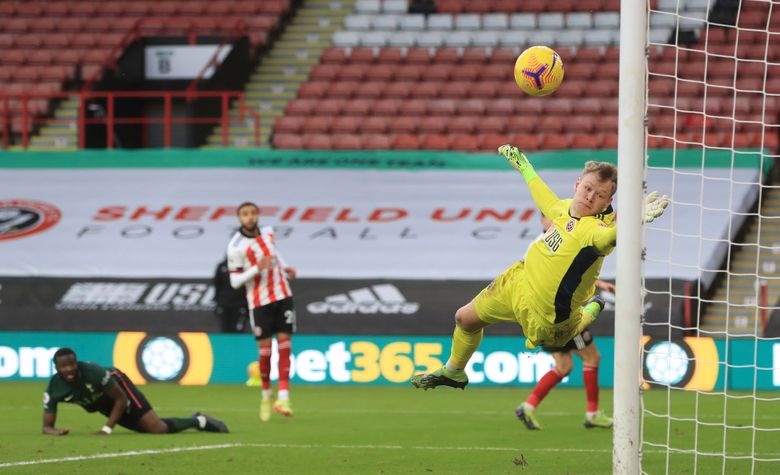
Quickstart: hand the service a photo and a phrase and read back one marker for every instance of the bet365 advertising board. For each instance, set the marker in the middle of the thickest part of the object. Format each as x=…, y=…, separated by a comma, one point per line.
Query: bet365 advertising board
x=200, y=358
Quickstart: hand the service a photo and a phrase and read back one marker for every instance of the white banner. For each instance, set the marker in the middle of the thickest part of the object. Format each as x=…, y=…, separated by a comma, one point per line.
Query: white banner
x=330, y=223
x=181, y=61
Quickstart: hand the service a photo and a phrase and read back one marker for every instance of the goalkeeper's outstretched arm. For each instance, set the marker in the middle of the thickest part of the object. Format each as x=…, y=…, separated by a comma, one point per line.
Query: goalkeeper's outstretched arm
x=542, y=195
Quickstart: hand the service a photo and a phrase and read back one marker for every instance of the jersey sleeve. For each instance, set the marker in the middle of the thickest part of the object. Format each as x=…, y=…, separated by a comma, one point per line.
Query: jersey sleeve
x=50, y=399
x=238, y=274
x=268, y=232
x=544, y=197
x=605, y=238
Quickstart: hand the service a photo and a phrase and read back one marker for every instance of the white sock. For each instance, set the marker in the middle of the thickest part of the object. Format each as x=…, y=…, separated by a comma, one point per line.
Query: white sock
x=528, y=407
x=592, y=414
x=283, y=395
x=267, y=394
x=201, y=421
x=450, y=367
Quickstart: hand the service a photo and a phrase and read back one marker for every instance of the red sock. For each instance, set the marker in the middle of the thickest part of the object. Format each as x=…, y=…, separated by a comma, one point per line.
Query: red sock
x=544, y=386
x=284, y=364
x=265, y=367
x=590, y=375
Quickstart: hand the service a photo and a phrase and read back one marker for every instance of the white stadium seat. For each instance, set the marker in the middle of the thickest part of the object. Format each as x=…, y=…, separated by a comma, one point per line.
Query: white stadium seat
x=367, y=6
x=570, y=38
x=550, y=21
x=606, y=20
x=346, y=39
x=598, y=37
x=457, y=39
x=579, y=20
x=468, y=21
x=358, y=22
x=522, y=21
x=430, y=39
x=486, y=38
x=413, y=22
x=495, y=21
x=374, y=39
x=395, y=6
x=440, y=21
x=662, y=20
x=403, y=39
x=385, y=22
x=515, y=38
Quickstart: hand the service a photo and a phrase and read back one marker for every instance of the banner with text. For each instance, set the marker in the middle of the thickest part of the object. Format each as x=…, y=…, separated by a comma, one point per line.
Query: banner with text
x=199, y=358
x=332, y=222
x=323, y=306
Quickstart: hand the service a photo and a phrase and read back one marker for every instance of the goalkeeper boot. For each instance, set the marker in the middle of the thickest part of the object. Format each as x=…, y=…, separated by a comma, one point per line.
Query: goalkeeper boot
x=441, y=377
x=527, y=416
x=283, y=407
x=599, y=420
x=265, y=409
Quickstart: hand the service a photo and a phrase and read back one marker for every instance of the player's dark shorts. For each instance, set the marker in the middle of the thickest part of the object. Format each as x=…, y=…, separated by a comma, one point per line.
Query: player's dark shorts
x=137, y=405
x=577, y=343
x=277, y=317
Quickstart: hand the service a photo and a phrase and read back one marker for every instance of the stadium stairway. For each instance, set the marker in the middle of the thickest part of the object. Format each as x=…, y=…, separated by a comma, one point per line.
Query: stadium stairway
x=734, y=307
x=61, y=132
x=284, y=68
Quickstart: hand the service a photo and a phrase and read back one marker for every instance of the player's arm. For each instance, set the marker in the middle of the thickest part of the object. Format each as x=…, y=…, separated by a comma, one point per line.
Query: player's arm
x=238, y=274
x=49, y=419
x=542, y=195
x=288, y=269
x=605, y=238
x=605, y=286
x=120, y=403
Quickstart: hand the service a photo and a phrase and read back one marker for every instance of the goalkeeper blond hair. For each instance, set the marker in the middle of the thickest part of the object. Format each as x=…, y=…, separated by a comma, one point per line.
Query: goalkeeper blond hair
x=604, y=170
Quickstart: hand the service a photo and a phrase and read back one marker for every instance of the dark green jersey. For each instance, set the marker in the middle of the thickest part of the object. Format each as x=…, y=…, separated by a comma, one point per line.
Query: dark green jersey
x=88, y=391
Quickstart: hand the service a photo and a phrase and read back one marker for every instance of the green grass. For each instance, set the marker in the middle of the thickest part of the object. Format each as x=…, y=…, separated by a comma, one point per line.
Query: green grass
x=349, y=429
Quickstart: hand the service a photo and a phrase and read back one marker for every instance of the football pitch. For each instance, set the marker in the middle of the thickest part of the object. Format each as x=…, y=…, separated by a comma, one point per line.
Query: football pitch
x=350, y=429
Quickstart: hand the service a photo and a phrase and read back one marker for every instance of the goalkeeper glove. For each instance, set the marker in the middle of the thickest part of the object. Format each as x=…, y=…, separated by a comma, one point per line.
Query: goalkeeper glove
x=654, y=206
x=517, y=159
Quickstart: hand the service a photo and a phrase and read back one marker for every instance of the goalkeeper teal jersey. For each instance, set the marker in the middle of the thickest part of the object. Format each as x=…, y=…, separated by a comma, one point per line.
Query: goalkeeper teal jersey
x=561, y=268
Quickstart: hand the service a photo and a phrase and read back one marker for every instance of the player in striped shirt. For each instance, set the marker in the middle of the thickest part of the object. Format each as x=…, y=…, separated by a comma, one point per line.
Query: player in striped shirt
x=255, y=263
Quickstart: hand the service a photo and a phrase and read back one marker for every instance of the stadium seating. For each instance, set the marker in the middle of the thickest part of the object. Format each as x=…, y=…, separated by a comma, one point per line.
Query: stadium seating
x=448, y=76
x=45, y=46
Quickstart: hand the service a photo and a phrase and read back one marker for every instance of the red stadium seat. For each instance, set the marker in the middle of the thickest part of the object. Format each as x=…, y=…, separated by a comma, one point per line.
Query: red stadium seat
x=399, y=90
x=370, y=89
x=342, y=89
x=346, y=124
x=464, y=142
x=550, y=124
x=406, y=142
x=418, y=56
x=329, y=107
x=334, y=56
x=442, y=107
x=377, y=142
x=491, y=125
x=425, y=90
x=432, y=125
x=347, y=142
x=415, y=107
x=313, y=89
x=325, y=72
x=483, y=89
x=446, y=56
x=409, y=72
x=356, y=72
x=440, y=73
x=462, y=125
x=492, y=141
x=472, y=107
x=288, y=141
x=578, y=124
x=317, y=142
x=316, y=124
x=380, y=72
x=374, y=125
x=609, y=141
x=526, y=142
x=287, y=125
x=362, y=56
x=435, y=142
x=455, y=89
x=585, y=141
x=301, y=107
x=386, y=107
x=474, y=56
x=390, y=56
x=403, y=125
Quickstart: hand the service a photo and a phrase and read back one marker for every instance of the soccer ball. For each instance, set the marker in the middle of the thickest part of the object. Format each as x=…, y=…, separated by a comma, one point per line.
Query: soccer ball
x=539, y=71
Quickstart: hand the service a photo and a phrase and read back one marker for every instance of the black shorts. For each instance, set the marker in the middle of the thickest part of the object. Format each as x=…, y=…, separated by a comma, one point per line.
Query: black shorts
x=277, y=317
x=137, y=405
x=577, y=343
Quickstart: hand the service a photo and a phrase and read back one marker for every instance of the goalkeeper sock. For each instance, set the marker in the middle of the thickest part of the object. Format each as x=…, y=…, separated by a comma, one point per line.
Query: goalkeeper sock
x=178, y=424
x=464, y=344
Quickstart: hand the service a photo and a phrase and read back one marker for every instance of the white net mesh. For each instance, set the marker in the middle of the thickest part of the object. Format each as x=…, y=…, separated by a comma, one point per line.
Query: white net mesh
x=712, y=367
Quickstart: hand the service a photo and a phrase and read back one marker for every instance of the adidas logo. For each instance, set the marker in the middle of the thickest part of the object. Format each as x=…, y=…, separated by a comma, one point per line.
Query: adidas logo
x=380, y=298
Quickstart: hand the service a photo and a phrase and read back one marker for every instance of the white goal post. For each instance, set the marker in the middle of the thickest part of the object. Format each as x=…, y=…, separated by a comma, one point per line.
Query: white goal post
x=699, y=119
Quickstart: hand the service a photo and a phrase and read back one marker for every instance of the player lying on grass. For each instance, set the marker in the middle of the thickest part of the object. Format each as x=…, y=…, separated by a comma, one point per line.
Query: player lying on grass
x=548, y=294
x=110, y=392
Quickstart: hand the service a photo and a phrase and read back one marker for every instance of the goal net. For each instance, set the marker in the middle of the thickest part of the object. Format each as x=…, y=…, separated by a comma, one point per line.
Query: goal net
x=710, y=370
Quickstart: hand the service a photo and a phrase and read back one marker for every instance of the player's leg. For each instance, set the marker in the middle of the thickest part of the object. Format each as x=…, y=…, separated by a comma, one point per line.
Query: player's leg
x=151, y=423
x=591, y=358
x=284, y=327
x=527, y=410
x=263, y=331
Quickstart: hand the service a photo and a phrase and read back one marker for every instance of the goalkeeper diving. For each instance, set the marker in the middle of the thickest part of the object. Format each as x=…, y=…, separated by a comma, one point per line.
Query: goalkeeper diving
x=550, y=294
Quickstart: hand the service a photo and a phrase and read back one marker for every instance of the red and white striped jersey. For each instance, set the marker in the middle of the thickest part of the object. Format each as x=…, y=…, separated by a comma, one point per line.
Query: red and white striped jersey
x=263, y=287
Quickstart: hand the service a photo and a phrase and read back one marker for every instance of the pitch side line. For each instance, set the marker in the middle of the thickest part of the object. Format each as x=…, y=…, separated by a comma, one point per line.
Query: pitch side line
x=315, y=446
x=132, y=453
